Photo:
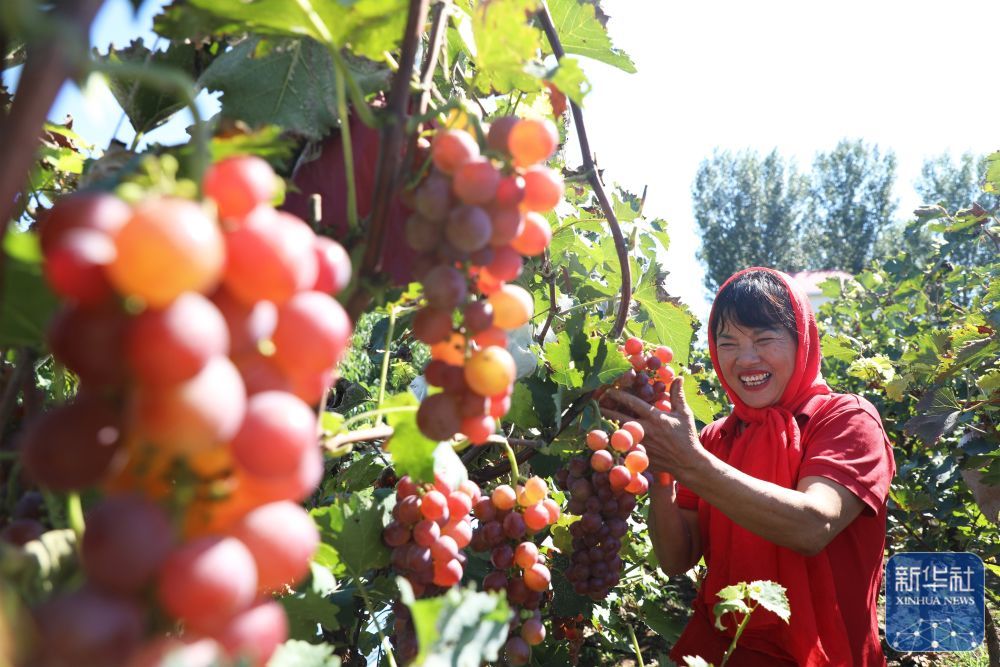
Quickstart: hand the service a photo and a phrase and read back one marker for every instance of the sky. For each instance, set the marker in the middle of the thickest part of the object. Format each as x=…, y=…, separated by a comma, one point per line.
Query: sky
x=912, y=77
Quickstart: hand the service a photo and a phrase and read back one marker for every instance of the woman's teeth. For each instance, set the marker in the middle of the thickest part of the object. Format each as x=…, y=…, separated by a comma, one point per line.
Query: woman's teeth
x=755, y=380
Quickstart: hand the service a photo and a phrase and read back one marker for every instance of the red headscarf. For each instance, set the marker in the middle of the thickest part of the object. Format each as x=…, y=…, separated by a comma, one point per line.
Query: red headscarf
x=769, y=448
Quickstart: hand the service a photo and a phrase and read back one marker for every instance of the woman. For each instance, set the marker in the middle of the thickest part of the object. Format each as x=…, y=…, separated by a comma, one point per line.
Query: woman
x=791, y=487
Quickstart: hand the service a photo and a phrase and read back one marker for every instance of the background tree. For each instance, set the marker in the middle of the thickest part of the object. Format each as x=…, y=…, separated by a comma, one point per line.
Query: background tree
x=749, y=210
x=850, y=205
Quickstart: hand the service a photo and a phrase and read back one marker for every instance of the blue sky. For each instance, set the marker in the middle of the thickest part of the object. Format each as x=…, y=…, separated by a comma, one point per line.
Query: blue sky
x=786, y=74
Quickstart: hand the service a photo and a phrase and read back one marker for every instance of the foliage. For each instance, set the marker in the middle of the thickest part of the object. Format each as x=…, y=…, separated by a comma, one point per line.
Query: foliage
x=918, y=337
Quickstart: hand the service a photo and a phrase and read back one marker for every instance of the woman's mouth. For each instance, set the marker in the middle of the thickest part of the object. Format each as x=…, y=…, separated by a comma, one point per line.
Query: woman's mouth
x=755, y=380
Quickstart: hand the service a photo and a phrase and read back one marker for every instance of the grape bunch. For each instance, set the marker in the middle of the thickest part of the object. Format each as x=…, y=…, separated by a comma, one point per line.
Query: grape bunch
x=508, y=519
x=603, y=488
x=478, y=213
x=650, y=375
x=202, y=334
x=430, y=526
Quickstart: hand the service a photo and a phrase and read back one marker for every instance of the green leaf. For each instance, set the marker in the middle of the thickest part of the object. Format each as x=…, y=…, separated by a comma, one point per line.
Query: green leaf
x=669, y=626
x=839, y=347
x=368, y=27
x=291, y=86
x=462, y=628
x=582, y=33
x=669, y=324
x=505, y=45
x=930, y=428
x=266, y=142
x=412, y=452
x=352, y=528
x=992, y=179
x=296, y=653
x=570, y=79
x=720, y=609
x=311, y=606
x=28, y=303
x=559, y=355
x=146, y=107
x=771, y=596
x=705, y=409
x=876, y=368
x=561, y=537
x=522, y=410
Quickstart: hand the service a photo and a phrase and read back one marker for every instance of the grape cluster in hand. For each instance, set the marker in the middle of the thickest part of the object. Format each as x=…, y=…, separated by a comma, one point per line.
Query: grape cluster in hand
x=650, y=375
x=202, y=334
x=478, y=213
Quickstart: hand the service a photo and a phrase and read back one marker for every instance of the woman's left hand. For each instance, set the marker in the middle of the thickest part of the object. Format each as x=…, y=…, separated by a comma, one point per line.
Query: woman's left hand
x=671, y=438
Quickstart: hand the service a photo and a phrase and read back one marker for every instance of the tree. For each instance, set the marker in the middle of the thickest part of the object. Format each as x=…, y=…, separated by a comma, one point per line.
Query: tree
x=850, y=205
x=749, y=210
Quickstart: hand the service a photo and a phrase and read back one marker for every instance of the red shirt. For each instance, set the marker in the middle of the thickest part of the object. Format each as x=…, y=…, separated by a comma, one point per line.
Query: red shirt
x=843, y=442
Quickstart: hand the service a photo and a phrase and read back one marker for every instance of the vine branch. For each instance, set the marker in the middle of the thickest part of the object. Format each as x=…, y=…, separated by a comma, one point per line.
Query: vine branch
x=387, y=172
x=51, y=59
x=435, y=40
x=549, y=274
x=590, y=168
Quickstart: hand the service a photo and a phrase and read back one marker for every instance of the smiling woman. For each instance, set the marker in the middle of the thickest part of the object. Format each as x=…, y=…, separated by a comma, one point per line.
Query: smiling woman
x=791, y=487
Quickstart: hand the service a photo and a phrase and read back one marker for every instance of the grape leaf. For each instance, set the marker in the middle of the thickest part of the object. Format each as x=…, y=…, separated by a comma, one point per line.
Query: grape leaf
x=570, y=80
x=28, y=303
x=368, y=27
x=669, y=324
x=308, y=607
x=463, y=627
x=582, y=34
x=505, y=45
x=411, y=451
x=147, y=107
x=667, y=625
x=292, y=86
x=352, y=528
x=296, y=653
x=521, y=410
x=561, y=360
x=992, y=179
x=771, y=596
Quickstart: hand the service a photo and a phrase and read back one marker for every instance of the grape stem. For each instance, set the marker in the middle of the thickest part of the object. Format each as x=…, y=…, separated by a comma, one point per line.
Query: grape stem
x=590, y=168
x=348, y=147
x=380, y=432
x=387, y=171
x=635, y=644
x=549, y=275
x=383, y=377
x=435, y=41
x=512, y=458
x=368, y=414
x=74, y=515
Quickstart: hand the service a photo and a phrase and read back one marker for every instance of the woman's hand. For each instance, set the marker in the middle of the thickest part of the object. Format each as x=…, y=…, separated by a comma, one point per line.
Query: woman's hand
x=671, y=438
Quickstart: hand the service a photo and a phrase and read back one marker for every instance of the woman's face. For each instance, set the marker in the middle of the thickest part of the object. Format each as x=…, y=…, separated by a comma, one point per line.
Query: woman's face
x=756, y=363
